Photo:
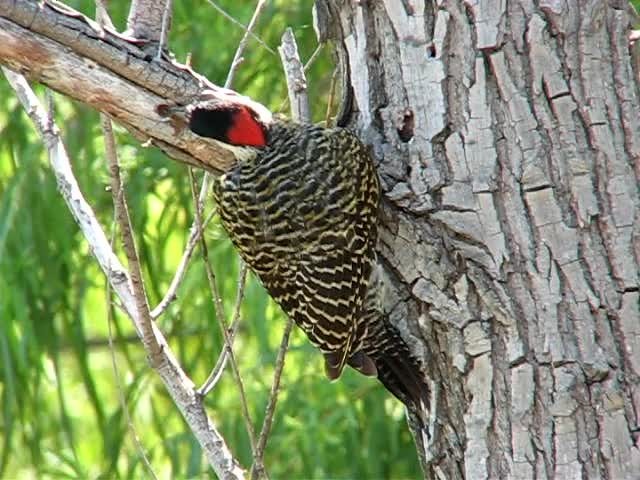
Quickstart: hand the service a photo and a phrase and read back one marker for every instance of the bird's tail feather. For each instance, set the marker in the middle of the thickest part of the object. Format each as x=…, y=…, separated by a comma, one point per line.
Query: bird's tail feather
x=401, y=373
x=397, y=368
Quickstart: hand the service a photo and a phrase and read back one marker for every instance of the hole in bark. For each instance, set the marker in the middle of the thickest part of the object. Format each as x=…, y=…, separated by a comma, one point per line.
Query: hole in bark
x=405, y=125
x=431, y=51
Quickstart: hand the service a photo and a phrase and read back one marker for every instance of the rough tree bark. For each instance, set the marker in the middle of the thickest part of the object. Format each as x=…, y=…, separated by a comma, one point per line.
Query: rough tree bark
x=508, y=141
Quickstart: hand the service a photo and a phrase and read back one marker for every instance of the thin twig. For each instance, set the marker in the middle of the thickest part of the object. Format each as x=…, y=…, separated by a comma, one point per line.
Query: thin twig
x=227, y=351
x=243, y=43
x=217, y=299
x=257, y=470
x=126, y=231
x=228, y=339
x=217, y=370
x=332, y=92
x=171, y=294
x=221, y=321
x=122, y=216
x=314, y=56
x=247, y=30
x=103, y=19
x=118, y=378
x=164, y=31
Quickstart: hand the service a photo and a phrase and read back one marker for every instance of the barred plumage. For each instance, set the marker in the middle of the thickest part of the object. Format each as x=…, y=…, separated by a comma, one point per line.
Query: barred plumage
x=303, y=213
x=301, y=206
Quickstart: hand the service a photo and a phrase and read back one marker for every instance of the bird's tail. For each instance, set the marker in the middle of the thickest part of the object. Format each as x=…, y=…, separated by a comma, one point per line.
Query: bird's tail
x=399, y=371
x=397, y=368
x=401, y=374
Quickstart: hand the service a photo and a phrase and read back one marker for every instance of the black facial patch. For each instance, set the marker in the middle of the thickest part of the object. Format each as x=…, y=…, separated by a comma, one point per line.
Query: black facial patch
x=212, y=123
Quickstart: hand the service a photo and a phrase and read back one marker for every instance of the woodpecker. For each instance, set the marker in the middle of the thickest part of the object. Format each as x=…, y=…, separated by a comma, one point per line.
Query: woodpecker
x=301, y=206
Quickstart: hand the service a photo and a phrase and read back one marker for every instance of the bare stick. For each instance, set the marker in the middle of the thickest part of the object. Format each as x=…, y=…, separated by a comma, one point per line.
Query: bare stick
x=314, y=56
x=332, y=92
x=102, y=16
x=124, y=222
x=103, y=19
x=217, y=299
x=243, y=43
x=258, y=469
x=228, y=351
x=221, y=321
x=296, y=80
x=246, y=29
x=178, y=384
x=171, y=294
x=164, y=31
x=216, y=372
x=118, y=379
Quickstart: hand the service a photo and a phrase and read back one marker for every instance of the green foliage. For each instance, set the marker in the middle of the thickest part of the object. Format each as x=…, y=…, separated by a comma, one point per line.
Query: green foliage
x=60, y=412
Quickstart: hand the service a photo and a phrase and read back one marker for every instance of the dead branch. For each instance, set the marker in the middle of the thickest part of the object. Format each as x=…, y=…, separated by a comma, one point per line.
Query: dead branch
x=111, y=74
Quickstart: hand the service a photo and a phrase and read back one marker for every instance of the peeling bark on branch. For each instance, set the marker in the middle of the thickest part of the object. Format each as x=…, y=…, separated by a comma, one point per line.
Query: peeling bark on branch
x=509, y=143
x=71, y=54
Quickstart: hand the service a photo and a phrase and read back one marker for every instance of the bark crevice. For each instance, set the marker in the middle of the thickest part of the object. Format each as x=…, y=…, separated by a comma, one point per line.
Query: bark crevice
x=507, y=217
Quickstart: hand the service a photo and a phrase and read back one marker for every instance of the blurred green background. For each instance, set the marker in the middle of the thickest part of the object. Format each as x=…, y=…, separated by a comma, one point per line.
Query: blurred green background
x=61, y=415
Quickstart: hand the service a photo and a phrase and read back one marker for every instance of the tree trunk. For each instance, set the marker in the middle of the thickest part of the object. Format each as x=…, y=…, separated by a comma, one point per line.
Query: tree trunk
x=508, y=141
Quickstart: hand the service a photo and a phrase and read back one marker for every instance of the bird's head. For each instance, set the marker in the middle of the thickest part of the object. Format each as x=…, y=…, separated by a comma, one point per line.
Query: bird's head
x=235, y=124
